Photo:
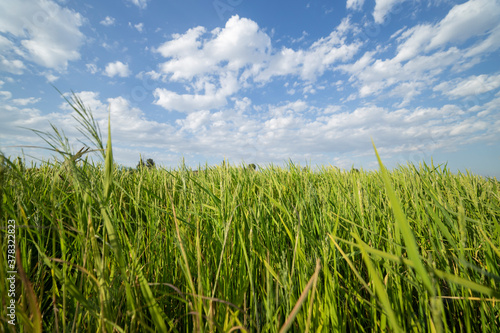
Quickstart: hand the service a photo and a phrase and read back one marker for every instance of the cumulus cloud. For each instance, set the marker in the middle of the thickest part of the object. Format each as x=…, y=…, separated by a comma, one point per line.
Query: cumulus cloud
x=382, y=8
x=355, y=4
x=8, y=52
x=473, y=18
x=275, y=132
x=424, y=52
x=242, y=44
x=116, y=68
x=107, y=21
x=127, y=121
x=214, y=97
x=289, y=130
x=50, y=77
x=26, y=101
x=11, y=66
x=217, y=64
x=471, y=86
x=48, y=34
x=239, y=44
x=314, y=61
x=139, y=26
x=5, y=95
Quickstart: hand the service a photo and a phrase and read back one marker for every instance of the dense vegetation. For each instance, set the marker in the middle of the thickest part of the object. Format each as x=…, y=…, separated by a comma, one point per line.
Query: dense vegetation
x=228, y=248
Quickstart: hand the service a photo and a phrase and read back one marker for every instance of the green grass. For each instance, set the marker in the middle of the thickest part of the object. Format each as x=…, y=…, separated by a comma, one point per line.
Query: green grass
x=229, y=249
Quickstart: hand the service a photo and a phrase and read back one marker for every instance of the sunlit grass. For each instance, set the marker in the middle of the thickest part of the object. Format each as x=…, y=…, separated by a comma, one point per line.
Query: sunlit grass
x=105, y=249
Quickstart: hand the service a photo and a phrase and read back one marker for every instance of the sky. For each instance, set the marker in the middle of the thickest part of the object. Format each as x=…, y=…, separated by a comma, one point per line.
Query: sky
x=253, y=81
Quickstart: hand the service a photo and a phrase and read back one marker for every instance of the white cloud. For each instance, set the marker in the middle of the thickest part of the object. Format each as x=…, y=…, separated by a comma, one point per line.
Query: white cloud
x=48, y=32
x=239, y=44
x=142, y=4
x=139, y=26
x=5, y=44
x=292, y=129
x=355, y=4
x=50, y=77
x=426, y=51
x=382, y=8
x=11, y=66
x=471, y=86
x=186, y=102
x=490, y=44
x=7, y=52
x=213, y=97
x=126, y=122
x=217, y=64
x=108, y=20
x=26, y=101
x=5, y=95
x=474, y=18
x=313, y=62
x=416, y=38
x=470, y=19
x=182, y=45
x=117, y=68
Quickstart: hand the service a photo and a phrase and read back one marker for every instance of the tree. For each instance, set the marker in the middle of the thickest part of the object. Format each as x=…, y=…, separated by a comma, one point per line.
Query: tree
x=149, y=163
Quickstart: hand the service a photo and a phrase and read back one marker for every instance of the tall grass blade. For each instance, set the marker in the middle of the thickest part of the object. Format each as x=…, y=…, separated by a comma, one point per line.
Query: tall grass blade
x=303, y=297
x=378, y=286
x=32, y=300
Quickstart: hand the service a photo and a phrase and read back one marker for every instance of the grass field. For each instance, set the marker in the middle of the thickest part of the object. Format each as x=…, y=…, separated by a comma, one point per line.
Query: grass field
x=229, y=249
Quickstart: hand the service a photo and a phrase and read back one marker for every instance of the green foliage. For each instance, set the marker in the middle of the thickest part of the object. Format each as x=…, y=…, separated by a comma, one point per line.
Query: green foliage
x=148, y=164
x=105, y=249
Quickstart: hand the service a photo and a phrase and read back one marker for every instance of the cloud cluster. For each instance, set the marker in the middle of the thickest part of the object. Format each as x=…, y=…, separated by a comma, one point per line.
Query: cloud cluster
x=116, y=68
x=355, y=4
x=230, y=58
x=471, y=86
x=293, y=129
x=424, y=52
x=42, y=32
x=216, y=65
x=107, y=21
x=383, y=8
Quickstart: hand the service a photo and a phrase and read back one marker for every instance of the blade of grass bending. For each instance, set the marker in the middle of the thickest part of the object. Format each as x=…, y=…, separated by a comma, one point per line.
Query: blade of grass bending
x=108, y=165
x=309, y=315
x=113, y=237
x=151, y=302
x=466, y=283
x=349, y=262
x=378, y=285
x=303, y=297
x=439, y=273
x=32, y=301
x=411, y=246
x=495, y=249
x=409, y=238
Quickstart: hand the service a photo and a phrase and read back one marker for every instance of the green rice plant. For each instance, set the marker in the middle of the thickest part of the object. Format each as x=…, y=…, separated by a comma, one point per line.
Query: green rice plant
x=228, y=249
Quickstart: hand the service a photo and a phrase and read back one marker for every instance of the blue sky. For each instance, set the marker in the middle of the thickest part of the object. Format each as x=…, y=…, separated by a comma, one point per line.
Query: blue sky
x=259, y=81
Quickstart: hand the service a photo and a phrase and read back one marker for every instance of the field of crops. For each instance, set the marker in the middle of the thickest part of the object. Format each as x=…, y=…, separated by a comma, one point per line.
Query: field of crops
x=230, y=249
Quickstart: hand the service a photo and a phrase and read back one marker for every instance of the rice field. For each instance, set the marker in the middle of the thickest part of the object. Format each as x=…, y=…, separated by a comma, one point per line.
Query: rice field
x=100, y=248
